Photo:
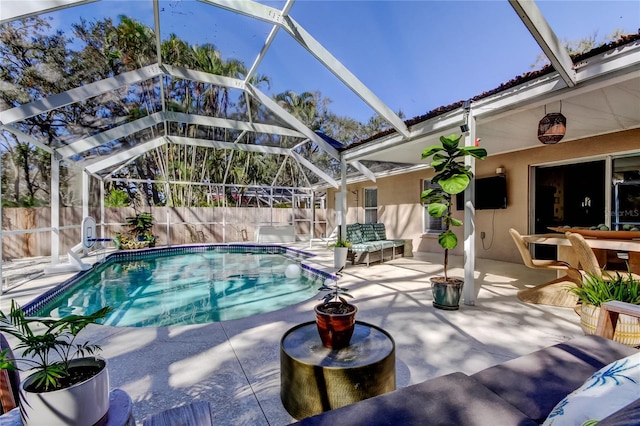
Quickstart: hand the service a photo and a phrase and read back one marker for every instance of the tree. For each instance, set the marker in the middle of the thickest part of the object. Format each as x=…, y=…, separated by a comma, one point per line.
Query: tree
x=36, y=62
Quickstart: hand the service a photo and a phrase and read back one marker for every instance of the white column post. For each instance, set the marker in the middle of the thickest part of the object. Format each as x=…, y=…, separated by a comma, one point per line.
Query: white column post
x=102, y=211
x=85, y=203
x=469, y=289
x=312, y=231
x=1, y=282
x=343, y=198
x=55, y=208
x=167, y=210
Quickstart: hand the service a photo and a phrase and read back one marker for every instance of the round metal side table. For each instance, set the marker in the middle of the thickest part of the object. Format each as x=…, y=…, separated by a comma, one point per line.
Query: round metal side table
x=314, y=379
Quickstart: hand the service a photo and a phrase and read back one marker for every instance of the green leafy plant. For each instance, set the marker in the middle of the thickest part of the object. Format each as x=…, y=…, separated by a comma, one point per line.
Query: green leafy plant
x=596, y=290
x=140, y=224
x=48, y=345
x=335, y=293
x=117, y=198
x=453, y=177
x=341, y=243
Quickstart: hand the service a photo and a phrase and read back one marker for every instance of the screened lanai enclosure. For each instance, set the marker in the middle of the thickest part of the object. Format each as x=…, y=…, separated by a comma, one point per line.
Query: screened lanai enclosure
x=217, y=117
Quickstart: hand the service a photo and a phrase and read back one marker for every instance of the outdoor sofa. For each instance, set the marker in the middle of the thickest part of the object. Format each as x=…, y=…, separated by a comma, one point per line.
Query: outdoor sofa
x=522, y=391
x=369, y=243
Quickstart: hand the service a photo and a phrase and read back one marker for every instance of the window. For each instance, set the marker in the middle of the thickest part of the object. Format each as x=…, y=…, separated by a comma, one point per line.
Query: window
x=370, y=205
x=431, y=224
x=626, y=193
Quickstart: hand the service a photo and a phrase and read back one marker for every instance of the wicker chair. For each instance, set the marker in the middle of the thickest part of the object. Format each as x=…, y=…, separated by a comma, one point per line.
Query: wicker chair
x=572, y=275
x=587, y=258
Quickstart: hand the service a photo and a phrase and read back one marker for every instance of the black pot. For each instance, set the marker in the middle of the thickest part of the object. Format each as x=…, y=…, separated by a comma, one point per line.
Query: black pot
x=446, y=293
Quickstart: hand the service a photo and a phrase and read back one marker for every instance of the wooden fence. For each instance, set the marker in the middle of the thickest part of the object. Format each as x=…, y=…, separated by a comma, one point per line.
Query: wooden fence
x=178, y=225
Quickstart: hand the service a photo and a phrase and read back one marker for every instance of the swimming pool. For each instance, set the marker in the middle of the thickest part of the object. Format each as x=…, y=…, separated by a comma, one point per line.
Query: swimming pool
x=187, y=285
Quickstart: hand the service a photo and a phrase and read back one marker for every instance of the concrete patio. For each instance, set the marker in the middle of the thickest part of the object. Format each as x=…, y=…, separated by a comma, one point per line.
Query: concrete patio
x=235, y=364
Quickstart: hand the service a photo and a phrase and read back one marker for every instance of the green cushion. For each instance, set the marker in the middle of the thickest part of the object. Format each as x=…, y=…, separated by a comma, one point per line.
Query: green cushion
x=368, y=232
x=354, y=233
x=366, y=247
x=380, y=231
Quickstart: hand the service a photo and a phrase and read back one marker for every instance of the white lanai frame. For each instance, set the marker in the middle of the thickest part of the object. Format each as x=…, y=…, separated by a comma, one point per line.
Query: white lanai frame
x=527, y=11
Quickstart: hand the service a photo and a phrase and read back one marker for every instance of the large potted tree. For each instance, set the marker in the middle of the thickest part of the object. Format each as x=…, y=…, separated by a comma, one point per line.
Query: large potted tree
x=452, y=177
x=67, y=384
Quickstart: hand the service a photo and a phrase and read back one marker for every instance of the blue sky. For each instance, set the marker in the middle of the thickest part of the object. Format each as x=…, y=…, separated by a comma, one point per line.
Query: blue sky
x=414, y=55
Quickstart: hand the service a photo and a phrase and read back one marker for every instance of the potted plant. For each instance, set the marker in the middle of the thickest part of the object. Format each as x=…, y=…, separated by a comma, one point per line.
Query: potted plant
x=595, y=290
x=340, y=253
x=453, y=177
x=68, y=385
x=150, y=239
x=140, y=225
x=335, y=317
x=118, y=239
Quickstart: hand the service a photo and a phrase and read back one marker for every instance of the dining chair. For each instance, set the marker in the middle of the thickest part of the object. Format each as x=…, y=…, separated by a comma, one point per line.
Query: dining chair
x=588, y=262
x=558, y=265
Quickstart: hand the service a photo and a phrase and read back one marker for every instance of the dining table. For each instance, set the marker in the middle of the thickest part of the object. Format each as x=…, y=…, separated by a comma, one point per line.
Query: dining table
x=627, y=249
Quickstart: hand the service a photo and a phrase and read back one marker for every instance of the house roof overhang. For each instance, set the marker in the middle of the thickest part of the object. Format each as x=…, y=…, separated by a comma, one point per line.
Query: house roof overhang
x=605, y=99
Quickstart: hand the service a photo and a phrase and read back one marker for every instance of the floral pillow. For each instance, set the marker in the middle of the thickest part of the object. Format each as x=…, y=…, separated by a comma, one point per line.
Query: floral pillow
x=605, y=392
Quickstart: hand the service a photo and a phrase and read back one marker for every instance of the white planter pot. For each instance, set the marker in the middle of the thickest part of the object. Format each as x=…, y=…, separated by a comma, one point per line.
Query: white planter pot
x=85, y=403
x=340, y=257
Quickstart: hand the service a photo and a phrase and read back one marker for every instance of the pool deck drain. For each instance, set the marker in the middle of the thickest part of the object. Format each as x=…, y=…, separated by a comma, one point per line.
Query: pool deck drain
x=235, y=364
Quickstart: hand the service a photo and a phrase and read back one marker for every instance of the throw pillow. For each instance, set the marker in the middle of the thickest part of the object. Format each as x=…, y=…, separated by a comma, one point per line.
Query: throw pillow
x=605, y=392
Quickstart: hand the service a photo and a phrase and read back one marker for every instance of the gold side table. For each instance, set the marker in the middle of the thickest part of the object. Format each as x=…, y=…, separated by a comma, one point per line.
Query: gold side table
x=314, y=379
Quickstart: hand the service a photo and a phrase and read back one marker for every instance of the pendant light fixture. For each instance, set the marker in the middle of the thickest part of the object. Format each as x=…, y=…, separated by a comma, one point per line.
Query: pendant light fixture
x=552, y=127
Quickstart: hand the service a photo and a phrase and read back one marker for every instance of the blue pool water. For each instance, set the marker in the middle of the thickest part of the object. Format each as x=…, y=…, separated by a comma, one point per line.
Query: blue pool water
x=186, y=288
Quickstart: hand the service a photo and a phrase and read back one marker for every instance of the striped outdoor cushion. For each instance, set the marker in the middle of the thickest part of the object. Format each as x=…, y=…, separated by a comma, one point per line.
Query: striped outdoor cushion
x=380, y=231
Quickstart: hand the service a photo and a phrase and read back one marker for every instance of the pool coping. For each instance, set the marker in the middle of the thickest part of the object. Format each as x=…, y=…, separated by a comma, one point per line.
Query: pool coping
x=39, y=302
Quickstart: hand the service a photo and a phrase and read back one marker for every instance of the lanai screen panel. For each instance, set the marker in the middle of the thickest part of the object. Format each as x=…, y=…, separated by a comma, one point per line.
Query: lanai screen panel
x=104, y=56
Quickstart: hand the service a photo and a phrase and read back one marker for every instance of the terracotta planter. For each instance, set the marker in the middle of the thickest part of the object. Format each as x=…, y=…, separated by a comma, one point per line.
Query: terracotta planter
x=446, y=293
x=335, y=329
x=340, y=257
x=627, y=330
x=85, y=403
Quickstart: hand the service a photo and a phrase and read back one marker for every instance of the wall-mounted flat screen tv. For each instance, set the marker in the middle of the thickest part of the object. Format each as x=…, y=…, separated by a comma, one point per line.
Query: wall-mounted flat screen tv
x=491, y=193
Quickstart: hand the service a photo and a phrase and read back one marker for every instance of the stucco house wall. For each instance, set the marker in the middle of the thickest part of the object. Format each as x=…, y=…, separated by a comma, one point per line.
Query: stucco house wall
x=400, y=209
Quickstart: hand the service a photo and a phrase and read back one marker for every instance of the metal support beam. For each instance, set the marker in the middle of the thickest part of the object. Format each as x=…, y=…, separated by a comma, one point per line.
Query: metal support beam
x=342, y=209
x=78, y=94
x=289, y=118
x=126, y=156
x=267, y=43
x=55, y=210
x=226, y=123
x=159, y=117
x=102, y=210
x=85, y=201
x=12, y=10
x=364, y=170
x=1, y=257
x=181, y=140
x=469, y=289
x=303, y=161
x=27, y=138
x=116, y=133
x=539, y=28
x=299, y=34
